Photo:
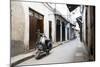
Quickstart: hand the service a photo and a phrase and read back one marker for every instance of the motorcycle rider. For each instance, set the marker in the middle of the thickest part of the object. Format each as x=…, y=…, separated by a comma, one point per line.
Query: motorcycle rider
x=43, y=39
x=43, y=45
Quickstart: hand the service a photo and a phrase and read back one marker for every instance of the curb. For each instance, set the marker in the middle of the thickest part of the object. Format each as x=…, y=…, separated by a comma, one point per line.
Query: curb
x=26, y=58
x=21, y=60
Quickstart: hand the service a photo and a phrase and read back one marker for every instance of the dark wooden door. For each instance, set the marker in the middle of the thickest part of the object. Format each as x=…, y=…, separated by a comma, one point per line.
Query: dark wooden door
x=32, y=32
x=63, y=31
x=58, y=31
x=35, y=24
x=50, y=30
x=40, y=25
x=67, y=33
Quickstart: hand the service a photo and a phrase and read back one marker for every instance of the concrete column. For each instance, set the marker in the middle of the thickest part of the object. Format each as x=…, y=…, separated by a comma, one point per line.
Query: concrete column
x=26, y=34
x=84, y=25
x=89, y=28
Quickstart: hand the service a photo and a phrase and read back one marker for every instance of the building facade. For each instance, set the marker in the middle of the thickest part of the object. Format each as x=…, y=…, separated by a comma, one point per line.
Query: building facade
x=28, y=18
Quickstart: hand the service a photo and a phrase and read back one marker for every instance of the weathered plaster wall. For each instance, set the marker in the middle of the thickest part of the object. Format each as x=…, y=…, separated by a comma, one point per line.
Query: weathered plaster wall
x=17, y=28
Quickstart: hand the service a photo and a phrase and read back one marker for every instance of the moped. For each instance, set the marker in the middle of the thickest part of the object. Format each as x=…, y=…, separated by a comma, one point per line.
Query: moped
x=44, y=45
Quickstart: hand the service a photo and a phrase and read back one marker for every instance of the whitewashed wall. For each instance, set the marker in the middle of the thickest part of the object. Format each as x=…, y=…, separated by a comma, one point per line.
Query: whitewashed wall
x=17, y=28
x=17, y=21
x=39, y=7
x=21, y=15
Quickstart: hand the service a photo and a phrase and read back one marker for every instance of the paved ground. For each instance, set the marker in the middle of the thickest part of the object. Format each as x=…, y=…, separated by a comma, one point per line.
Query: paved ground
x=73, y=51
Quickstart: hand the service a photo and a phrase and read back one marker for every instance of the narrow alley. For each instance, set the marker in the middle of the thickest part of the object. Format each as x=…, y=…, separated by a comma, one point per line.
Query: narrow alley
x=69, y=27
x=72, y=51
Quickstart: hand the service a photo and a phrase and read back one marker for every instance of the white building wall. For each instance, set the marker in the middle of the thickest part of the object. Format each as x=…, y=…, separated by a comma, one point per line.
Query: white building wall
x=17, y=21
x=39, y=7
x=17, y=28
x=20, y=21
x=52, y=18
x=24, y=15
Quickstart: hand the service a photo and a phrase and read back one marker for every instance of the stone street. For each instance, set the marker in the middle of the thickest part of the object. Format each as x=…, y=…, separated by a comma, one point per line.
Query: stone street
x=72, y=51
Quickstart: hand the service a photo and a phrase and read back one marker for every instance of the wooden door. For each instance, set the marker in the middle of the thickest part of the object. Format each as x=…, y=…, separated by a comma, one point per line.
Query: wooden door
x=67, y=33
x=58, y=31
x=63, y=31
x=35, y=24
x=50, y=30
x=40, y=25
x=32, y=32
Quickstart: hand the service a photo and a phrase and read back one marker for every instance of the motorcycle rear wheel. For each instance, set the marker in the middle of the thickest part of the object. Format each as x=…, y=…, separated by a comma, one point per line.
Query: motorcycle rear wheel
x=37, y=56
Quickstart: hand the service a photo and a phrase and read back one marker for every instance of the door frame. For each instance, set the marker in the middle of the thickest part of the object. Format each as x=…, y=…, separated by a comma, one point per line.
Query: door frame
x=39, y=14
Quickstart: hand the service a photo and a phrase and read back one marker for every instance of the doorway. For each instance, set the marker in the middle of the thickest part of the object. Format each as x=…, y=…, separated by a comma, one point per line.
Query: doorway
x=63, y=31
x=50, y=30
x=35, y=24
x=67, y=33
x=58, y=30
